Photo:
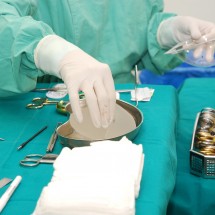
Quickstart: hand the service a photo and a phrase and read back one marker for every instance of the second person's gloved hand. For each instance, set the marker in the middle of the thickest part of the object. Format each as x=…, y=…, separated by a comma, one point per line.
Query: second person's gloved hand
x=182, y=28
x=80, y=72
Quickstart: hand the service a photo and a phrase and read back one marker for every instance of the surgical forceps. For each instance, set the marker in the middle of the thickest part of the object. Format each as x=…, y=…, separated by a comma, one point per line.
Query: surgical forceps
x=188, y=45
x=136, y=83
x=178, y=48
x=40, y=102
x=35, y=159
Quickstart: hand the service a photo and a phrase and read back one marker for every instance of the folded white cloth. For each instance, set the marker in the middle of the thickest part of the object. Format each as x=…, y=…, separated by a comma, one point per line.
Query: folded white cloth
x=83, y=196
x=125, y=157
x=102, y=179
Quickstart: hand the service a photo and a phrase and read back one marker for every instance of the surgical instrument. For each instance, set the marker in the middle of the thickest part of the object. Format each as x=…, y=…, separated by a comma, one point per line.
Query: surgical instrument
x=1, y=139
x=55, y=88
x=53, y=139
x=124, y=91
x=40, y=102
x=4, y=181
x=49, y=89
x=35, y=159
x=9, y=192
x=187, y=45
x=31, y=138
x=136, y=81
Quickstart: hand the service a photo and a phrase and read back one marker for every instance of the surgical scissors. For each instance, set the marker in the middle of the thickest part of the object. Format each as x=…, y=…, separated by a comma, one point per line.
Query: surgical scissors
x=40, y=102
x=35, y=159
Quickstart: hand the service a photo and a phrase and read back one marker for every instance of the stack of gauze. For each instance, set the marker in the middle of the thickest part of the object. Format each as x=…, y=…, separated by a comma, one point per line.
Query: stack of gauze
x=101, y=179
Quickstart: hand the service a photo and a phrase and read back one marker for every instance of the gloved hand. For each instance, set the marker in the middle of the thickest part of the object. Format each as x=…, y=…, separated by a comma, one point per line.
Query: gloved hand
x=80, y=72
x=182, y=28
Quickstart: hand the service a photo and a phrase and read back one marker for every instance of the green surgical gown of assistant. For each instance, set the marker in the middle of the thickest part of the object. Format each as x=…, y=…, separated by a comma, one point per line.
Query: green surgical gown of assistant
x=121, y=33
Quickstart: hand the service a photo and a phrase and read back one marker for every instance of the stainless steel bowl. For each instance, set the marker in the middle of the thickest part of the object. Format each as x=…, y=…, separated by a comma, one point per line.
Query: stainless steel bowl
x=68, y=136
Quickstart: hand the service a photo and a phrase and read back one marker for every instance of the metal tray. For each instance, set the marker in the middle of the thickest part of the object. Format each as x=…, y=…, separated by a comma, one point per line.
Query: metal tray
x=67, y=134
x=202, y=152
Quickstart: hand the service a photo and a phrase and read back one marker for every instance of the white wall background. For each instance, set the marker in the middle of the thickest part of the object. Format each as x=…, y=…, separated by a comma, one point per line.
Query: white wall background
x=203, y=9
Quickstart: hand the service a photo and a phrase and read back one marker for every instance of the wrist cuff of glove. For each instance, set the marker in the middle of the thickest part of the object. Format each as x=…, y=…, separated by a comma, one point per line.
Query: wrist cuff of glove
x=49, y=53
x=165, y=36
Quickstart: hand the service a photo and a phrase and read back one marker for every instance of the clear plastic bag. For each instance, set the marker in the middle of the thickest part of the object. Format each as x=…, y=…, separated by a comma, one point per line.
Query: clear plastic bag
x=196, y=53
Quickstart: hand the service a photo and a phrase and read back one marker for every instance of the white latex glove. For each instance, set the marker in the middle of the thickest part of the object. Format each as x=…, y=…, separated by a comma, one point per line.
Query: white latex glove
x=182, y=28
x=80, y=72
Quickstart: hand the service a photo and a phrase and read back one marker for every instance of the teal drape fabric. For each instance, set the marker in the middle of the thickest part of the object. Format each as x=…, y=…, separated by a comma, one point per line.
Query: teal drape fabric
x=192, y=195
x=157, y=135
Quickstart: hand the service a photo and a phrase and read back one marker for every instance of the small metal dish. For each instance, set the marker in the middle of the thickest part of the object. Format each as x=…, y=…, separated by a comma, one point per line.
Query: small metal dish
x=70, y=138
